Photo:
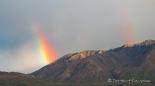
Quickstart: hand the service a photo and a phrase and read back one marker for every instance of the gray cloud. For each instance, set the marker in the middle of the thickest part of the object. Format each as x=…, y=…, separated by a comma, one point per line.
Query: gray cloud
x=71, y=26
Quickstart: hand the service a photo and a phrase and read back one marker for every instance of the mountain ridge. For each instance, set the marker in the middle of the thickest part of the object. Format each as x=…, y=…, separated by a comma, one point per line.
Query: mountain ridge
x=92, y=52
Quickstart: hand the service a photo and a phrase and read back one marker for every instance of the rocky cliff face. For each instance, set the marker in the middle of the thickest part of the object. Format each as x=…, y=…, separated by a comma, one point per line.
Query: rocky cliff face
x=81, y=55
x=126, y=61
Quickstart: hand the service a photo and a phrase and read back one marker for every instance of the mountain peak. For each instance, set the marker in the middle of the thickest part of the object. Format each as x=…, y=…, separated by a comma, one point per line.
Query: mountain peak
x=128, y=45
x=85, y=54
x=147, y=42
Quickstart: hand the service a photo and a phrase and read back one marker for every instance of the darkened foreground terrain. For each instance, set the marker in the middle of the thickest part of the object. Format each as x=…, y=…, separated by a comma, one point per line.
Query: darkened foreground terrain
x=18, y=79
x=93, y=68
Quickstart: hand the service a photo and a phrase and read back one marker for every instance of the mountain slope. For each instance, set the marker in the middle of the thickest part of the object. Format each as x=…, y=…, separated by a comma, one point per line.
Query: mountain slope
x=98, y=66
x=143, y=65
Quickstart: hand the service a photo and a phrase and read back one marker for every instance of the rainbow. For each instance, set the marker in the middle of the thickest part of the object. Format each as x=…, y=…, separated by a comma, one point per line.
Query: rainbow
x=44, y=51
x=128, y=28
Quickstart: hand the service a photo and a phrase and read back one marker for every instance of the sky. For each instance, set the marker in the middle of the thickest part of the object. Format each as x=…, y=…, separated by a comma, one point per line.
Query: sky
x=69, y=26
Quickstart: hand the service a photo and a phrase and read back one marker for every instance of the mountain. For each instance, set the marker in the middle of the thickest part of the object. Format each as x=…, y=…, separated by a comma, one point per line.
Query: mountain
x=136, y=61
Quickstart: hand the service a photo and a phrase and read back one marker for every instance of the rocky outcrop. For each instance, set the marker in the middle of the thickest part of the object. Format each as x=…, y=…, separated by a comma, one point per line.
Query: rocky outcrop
x=82, y=55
